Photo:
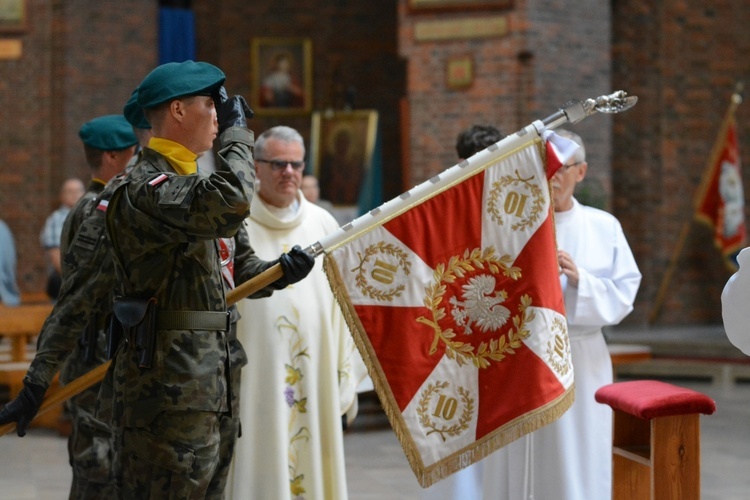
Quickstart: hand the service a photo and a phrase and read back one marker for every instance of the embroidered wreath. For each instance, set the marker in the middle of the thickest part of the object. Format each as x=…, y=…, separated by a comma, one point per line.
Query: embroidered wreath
x=423, y=409
x=463, y=352
x=494, y=200
x=561, y=367
x=361, y=278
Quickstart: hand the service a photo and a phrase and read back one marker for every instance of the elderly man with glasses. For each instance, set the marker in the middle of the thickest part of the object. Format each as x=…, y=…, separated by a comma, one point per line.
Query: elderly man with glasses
x=302, y=371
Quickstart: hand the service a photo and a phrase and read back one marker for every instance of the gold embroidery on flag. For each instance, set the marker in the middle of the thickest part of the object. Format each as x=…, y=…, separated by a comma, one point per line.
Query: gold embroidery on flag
x=515, y=193
x=385, y=284
x=497, y=348
x=445, y=409
x=558, y=348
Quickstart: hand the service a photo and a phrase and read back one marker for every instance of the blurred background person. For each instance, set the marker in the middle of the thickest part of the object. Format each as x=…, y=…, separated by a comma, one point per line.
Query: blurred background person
x=70, y=192
x=311, y=190
x=9, y=293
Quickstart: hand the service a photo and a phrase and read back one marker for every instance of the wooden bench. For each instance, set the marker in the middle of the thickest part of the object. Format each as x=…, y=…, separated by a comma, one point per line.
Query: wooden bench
x=19, y=325
x=656, y=439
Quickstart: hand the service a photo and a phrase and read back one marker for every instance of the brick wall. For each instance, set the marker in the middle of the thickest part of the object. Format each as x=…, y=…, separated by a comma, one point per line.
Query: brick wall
x=550, y=54
x=682, y=58
x=354, y=45
x=80, y=59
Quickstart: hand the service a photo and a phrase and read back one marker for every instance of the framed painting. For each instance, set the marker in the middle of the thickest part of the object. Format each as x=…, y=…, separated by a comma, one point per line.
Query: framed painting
x=342, y=150
x=459, y=72
x=281, y=76
x=436, y=5
x=12, y=16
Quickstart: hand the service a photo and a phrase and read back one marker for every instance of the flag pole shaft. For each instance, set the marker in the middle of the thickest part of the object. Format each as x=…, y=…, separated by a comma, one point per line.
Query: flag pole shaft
x=571, y=112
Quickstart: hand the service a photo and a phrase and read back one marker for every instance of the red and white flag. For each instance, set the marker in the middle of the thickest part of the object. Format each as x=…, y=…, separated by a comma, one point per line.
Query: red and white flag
x=457, y=309
x=720, y=202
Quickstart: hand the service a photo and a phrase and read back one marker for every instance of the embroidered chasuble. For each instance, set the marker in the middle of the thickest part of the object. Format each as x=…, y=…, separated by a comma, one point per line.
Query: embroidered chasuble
x=301, y=374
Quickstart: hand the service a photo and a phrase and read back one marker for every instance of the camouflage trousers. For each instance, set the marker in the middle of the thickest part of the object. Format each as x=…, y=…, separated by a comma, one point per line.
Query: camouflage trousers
x=91, y=452
x=180, y=455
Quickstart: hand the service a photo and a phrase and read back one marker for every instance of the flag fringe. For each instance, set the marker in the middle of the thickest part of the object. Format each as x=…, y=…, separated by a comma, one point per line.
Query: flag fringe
x=429, y=475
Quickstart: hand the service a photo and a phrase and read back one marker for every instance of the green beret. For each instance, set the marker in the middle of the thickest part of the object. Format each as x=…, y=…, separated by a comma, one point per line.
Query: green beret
x=108, y=133
x=172, y=80
x=134, y=113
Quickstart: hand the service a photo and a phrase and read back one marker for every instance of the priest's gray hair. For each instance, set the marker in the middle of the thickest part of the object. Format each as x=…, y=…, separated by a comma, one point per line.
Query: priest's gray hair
x=580, y=154
x=280, y=133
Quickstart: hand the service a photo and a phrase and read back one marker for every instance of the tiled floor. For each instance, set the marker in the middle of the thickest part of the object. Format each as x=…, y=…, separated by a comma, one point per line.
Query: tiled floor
x=35, y=467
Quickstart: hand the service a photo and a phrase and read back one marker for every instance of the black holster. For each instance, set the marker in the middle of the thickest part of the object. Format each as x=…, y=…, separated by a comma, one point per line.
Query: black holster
x=138, y=320
x=88, y=341
x=115, y=333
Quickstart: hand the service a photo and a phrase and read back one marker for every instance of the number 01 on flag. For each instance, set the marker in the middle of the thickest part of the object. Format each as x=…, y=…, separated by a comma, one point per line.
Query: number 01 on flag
x=456, y=307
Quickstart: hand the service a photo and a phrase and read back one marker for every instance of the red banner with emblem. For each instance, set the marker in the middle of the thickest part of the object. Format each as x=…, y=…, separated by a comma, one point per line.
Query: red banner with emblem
x=720, y=202
x=457, y=309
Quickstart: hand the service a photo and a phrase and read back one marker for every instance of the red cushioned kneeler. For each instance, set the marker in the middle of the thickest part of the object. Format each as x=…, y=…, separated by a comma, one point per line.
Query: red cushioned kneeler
x=656, y=439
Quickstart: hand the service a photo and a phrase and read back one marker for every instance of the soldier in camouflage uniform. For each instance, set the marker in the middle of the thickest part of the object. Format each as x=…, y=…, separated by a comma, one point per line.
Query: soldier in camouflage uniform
x=109, y=144
x=172, y=376
x=174, y=413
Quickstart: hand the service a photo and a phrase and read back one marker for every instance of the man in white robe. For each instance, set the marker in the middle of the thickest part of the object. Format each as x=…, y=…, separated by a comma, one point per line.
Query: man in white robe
x=571, y=459
x=302, y=368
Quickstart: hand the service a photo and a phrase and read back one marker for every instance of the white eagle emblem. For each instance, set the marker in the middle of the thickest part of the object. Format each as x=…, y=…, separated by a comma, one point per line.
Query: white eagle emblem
x=480, y=306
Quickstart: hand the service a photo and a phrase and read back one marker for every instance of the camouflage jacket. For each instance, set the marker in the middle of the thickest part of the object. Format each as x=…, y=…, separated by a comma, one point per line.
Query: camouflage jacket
x=94, y=331
x=164, y=228
x=85, y=293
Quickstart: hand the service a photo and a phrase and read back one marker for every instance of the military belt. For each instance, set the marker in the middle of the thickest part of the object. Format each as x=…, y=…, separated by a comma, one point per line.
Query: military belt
x=192, y=320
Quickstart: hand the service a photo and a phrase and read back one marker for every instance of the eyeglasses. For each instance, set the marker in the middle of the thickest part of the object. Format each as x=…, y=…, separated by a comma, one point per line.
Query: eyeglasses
x=278, y=165
x=566, y=167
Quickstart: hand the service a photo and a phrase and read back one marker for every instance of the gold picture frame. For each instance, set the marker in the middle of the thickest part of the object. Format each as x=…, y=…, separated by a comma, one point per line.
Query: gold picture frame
x=12, y=16
x=342, y=147
x=439, y=5
x=281, y=76
x=459, y=72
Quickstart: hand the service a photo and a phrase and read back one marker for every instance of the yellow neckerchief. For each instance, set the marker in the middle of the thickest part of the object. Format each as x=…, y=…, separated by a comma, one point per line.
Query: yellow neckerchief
x=98, y=181
x=180, y=157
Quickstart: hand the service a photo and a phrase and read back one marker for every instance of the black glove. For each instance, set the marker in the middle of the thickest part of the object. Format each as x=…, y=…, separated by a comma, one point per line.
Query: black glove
x=24, y=408
x=231, y=111
x=296, y=265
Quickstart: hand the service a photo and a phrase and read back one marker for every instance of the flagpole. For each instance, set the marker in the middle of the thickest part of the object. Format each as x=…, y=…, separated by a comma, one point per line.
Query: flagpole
x=685, y=231
x=572, y=112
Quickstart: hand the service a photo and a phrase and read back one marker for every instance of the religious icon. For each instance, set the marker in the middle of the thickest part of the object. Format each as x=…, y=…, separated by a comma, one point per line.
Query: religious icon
x=343, y=144
x=282, y=75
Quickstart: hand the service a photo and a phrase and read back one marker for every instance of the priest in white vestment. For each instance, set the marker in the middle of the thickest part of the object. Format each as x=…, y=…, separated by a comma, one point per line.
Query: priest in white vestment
x=302, y=368
x=571, y=459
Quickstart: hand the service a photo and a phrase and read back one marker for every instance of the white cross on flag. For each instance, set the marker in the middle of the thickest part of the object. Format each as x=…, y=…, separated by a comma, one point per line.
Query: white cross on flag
x=457, y=309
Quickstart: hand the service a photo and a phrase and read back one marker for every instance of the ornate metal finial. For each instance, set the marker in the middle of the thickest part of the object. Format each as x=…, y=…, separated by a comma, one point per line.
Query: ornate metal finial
x=615, y=102
x=575, y=111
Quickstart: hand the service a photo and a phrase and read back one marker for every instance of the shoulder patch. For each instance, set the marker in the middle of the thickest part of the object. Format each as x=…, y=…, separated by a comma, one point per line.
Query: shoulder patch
x=179, y=192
